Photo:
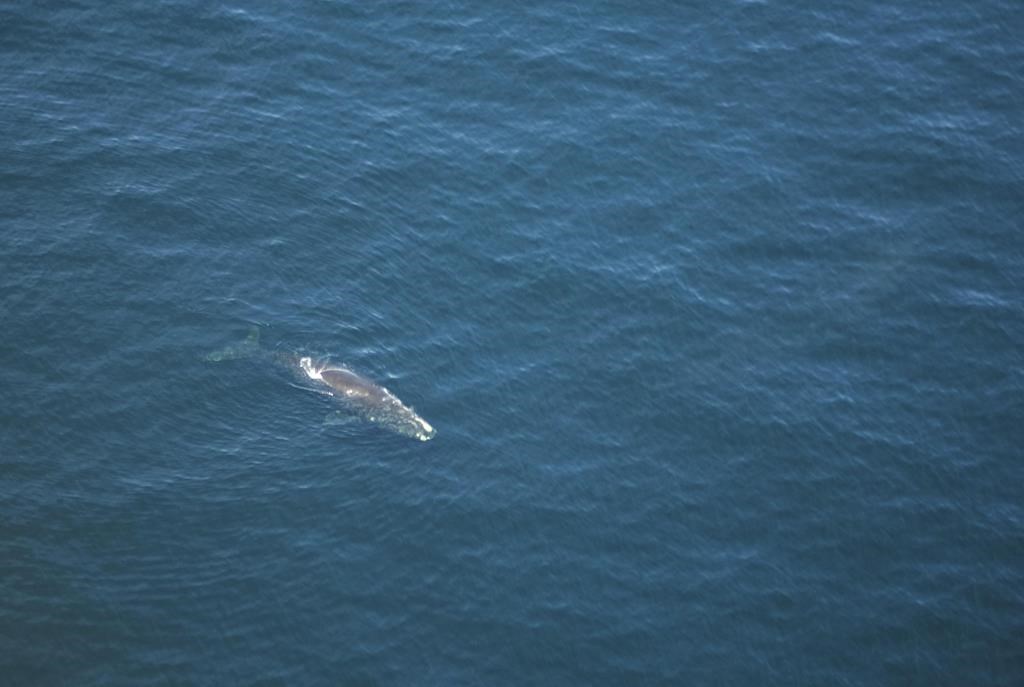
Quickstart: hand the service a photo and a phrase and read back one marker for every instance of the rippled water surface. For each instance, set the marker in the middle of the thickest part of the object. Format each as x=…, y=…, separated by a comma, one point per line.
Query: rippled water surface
x=716, y=309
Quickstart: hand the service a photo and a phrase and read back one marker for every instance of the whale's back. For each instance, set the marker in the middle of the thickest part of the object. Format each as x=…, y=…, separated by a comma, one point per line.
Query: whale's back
x=370, y=400
x=350, y=385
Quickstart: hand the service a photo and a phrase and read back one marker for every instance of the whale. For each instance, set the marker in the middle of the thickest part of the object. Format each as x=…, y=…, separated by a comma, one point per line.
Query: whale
x=361, y=396
x=368, y=399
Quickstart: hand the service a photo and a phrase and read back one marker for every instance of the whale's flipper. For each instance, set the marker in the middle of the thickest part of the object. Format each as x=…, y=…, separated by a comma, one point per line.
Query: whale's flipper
x=338, y=418
x=246, y=349
x=322, y=392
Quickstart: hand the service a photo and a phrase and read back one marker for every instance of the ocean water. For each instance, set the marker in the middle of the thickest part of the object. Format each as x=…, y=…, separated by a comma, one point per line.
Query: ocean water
x=716, y=308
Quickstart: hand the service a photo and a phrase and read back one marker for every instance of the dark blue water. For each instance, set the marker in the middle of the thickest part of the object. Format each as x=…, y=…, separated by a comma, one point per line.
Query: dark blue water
x=718, y=310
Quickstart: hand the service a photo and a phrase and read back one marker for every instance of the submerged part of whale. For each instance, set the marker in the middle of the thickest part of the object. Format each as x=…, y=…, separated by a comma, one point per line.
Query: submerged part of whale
x=369, y=399
x=364, y=397
x=247, y=349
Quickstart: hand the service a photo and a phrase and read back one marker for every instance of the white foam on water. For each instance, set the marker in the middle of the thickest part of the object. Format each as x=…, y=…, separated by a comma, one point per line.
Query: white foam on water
x=306, y=364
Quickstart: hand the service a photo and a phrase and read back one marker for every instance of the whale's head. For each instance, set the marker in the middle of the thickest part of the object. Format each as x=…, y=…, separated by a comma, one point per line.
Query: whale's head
x=425, y=431
x=404, y=420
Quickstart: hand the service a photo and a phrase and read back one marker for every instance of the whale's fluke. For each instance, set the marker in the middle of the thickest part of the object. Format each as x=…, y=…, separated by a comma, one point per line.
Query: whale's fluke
x=246, y=349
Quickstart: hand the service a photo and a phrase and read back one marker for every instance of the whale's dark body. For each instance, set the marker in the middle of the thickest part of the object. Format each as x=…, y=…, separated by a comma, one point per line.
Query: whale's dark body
x=369, y=399
x=351, y=385
x=361, y=395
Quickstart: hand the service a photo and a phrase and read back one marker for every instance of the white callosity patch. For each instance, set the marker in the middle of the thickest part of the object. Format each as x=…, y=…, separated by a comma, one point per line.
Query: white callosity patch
x=426, y=427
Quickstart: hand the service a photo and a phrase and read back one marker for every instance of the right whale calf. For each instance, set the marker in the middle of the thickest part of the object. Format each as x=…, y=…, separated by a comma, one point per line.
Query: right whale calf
x=364, y=397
